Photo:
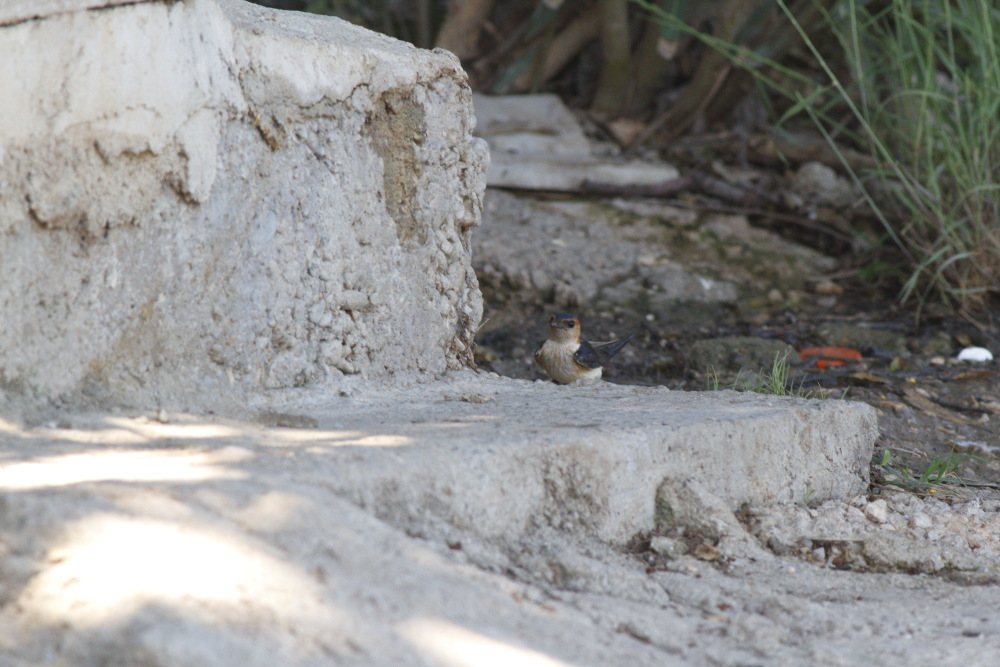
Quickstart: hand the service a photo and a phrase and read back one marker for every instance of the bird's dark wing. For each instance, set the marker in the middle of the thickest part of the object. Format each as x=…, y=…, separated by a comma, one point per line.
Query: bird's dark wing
x=609, y=350
x=587, y=355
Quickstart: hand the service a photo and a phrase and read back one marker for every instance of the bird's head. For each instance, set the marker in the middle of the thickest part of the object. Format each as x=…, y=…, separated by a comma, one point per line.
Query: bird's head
x=564, y=327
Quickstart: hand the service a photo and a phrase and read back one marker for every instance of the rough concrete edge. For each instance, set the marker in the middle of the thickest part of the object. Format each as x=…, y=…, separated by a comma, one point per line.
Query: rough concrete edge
x=560, y=483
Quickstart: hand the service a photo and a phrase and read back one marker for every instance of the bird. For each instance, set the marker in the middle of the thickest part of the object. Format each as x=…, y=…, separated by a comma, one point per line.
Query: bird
x=567, y=358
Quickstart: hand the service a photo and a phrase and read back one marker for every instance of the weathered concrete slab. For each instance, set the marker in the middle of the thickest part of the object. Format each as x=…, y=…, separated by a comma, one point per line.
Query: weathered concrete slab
x=538, y=144
x=439, y=524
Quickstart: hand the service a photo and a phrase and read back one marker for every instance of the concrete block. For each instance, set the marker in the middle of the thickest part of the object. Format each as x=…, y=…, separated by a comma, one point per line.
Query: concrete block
x=202, y=200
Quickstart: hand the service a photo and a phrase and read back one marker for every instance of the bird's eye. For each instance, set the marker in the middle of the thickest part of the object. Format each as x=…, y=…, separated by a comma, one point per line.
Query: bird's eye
x=571, y=324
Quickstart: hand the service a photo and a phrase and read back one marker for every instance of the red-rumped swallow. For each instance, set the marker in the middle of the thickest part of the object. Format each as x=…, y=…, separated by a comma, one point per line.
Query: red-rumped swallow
x=568, y=358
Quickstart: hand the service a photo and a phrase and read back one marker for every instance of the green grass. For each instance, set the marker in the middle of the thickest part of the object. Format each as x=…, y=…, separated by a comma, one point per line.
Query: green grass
x=926, y=97
x=774, y=382
x=940, y=470
x=923, y=97
x=712, y=380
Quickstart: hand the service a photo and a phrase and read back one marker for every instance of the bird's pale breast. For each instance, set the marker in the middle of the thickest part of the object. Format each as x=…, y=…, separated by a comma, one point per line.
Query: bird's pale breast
x=557, y=360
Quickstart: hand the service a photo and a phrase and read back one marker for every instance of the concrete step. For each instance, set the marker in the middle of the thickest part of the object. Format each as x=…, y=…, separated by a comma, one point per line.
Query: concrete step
x=211, y=541
x=499, y=456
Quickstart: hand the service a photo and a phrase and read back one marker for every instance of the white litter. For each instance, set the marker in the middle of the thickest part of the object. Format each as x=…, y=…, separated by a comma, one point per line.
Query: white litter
x=975, y=354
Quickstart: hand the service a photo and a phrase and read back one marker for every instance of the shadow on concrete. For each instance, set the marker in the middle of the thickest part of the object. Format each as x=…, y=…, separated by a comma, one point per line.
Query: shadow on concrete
x=132, y=541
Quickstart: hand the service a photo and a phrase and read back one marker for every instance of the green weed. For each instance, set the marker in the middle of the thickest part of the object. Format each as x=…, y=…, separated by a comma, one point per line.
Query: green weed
x=924, y=99
x=941, y=470
x=775, y=382
x=712, y=380
x=927, y=91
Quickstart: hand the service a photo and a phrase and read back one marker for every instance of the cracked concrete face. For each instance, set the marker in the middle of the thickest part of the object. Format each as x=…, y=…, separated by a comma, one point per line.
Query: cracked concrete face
x=204, y=202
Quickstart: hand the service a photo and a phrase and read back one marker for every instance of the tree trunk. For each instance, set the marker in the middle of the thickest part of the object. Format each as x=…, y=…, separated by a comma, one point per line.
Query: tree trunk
x=460, y=31
x=613, y=84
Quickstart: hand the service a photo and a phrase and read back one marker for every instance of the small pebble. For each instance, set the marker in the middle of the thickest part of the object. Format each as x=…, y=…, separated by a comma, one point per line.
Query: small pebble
x=707, y=552
x=826, y=301
x=666, y=546
x=972, y=509
x=877, y=511
x=935, y=506
x=920, y=520
x=829, y=288
x=955, y=542
x=471, y=398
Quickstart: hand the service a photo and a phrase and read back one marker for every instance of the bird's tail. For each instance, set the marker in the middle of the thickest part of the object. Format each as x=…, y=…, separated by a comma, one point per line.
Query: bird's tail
x=614, y=347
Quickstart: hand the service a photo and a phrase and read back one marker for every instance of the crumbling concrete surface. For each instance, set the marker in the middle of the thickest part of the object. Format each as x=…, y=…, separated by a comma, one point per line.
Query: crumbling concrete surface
x=456, y=522
x=200, y=200
x=479, y=520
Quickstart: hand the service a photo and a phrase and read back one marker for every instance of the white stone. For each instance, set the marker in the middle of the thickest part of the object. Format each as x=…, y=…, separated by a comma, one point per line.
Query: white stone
x=877, y=511
x=817, y=183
